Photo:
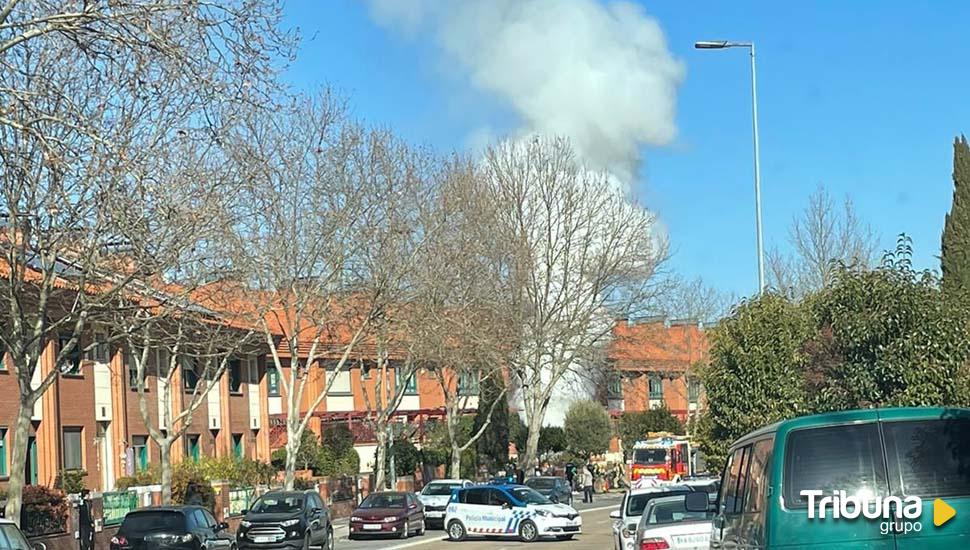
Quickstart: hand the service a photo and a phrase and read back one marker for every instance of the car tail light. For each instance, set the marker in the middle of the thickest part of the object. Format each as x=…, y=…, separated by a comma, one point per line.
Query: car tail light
x=653, y=544
x=119, y=540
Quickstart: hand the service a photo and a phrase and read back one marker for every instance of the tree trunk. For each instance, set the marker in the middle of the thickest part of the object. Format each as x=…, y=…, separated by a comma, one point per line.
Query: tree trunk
x=529, y=460
x=165, y=462
x=455, y=471
x=292, y=450
x=379, y=461
x=18, y=459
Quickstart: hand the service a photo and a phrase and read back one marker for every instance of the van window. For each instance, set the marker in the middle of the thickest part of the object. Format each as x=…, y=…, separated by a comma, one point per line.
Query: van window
x=758, y=473
x=735, y=482
x=930, y=458
x=846, y=458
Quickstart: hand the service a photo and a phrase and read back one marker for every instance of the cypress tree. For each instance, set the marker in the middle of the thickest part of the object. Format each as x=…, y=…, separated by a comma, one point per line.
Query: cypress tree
x=955, y=256
x=493, y=445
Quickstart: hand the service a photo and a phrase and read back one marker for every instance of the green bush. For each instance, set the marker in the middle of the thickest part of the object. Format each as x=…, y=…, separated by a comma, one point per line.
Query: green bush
x=302, y=484
x=151, y=476
x=190, y=487
x=70, y=481
x=44, y=511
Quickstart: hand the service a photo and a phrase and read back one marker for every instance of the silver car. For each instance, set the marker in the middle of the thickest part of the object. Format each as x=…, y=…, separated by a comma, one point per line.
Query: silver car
x=666, y=523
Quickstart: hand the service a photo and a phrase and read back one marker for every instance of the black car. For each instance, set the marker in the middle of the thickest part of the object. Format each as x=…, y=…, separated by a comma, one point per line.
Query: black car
x=286, y=520
x=554, y=488
x=172, y=527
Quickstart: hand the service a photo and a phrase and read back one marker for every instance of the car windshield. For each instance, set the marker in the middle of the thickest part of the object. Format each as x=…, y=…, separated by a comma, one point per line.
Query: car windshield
x=636, y=503
x=12, y=539
x=439, y=489
x=667, y=510
x=383, y=500
x=278, y=504
x=137, y=523
x=529, y=496
x=649, y=456
x=541, y=483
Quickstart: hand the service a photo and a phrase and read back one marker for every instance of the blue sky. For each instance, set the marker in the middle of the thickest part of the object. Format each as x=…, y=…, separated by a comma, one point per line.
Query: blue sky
x=864, y=97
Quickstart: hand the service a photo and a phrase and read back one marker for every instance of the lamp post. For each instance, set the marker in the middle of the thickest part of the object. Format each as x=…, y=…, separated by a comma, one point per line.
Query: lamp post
x=720, y=45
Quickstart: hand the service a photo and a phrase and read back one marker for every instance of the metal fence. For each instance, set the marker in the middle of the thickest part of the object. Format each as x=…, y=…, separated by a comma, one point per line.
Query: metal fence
x=240, y=498
x=117, y=504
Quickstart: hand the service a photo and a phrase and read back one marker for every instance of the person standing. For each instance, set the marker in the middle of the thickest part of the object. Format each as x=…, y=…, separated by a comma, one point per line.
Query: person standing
x=587, y=478
x=85, y=527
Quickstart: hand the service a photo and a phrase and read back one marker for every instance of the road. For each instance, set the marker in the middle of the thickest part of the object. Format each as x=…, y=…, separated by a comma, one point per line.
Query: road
x=597, y=533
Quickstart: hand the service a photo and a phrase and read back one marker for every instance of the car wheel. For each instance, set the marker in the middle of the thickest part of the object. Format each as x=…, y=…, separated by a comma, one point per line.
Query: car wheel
x=422, y=528
x=329, y=544
x=456, y=531
x=406, y=530
x=528, y=532
x=564, y=537
x=306, y=541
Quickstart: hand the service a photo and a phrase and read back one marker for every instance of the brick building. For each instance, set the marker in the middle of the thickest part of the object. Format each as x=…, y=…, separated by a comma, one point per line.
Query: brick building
x=654, y=362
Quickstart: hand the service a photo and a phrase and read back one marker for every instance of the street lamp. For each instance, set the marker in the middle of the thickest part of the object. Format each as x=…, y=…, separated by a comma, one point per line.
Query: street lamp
x=720, y=45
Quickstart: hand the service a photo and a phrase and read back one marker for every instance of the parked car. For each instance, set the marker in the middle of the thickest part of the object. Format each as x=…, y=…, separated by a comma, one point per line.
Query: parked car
x=626, y=518
x=509, y=511
x=12, y=538
x=907, y=453
x=388, y=513
x=172, y=527
x=435, y=496
x=555, y=489
x=666, y=523
x=286, y=519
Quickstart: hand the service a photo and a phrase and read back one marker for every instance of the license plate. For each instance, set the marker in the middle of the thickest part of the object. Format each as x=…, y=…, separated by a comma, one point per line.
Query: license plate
x=372, y=527
x=434, y=514
x=700, y=540
x=264, y=540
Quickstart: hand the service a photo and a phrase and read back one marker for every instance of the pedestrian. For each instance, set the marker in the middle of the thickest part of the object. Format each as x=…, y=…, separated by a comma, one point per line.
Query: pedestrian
x=85, y=527
x=587, y=477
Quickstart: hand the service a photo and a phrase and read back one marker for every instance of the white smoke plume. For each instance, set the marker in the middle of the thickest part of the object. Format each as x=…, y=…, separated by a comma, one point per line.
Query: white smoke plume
x=599, y=74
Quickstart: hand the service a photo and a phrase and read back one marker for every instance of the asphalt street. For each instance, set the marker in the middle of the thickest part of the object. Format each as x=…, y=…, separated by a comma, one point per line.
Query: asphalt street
x=597, y=533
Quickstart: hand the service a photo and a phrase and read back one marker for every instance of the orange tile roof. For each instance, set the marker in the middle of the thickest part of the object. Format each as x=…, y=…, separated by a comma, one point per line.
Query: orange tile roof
x=654, y=346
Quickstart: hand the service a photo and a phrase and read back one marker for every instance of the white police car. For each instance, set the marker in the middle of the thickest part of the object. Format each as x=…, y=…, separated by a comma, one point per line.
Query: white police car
x=435, y=497
x=509, y=511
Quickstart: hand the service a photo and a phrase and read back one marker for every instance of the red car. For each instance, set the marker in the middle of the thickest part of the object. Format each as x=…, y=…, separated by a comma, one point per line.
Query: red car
x=388, y=513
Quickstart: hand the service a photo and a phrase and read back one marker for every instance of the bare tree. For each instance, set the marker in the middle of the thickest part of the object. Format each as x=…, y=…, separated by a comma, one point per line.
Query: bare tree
x=822, y=236
x=93, y=91
x=580, y=255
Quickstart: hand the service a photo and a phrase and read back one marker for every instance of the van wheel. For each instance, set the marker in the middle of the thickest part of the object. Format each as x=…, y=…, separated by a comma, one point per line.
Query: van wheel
x=456, y=531
x=528, y=532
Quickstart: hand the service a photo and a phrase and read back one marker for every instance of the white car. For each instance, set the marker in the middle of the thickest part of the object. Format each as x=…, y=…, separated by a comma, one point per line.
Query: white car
x=435, y=497
x=666, y=523
x=625, y=519
x=509, y=511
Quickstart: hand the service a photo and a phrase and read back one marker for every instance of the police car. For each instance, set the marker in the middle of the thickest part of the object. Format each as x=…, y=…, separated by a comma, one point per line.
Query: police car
x=508, y=511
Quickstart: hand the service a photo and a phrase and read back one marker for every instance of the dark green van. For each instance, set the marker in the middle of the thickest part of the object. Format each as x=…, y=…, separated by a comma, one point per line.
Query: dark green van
x=887, y=456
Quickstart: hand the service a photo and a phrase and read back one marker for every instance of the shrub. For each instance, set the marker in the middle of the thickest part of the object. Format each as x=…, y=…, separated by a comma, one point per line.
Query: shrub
x=239, y=472
x=190, y=487
x=301, y=484
x=70, y=481
x=44, y=510
x=151, y=476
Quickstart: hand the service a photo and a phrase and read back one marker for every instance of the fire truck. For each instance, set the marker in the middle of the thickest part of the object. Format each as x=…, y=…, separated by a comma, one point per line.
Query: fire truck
x=661, y=456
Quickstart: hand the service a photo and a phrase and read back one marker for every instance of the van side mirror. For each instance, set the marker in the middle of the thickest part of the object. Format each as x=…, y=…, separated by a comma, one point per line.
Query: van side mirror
x=697, y=502
x=615, y=514
x=554, y=499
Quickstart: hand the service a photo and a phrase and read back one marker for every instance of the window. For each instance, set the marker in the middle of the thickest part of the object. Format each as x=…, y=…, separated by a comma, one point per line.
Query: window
x=237, y=445
x=929, y=458
x=838, y=458
x=340, y=382
x=476, y=496
x=733, y=482
x=498, y=498
x=3, y=357
x=102, y=350
x=71, y=365
x=209, y=520
x=656, y=387
x=190, y=374
x=73, y=455
x=468, y=383
x=273, y=381
x=3, y=451
x=192, y=447
x=235, y=376
x=614, y=390
x=693, y=390
x=139, y=443
x=410, y=385
x=758, y=472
